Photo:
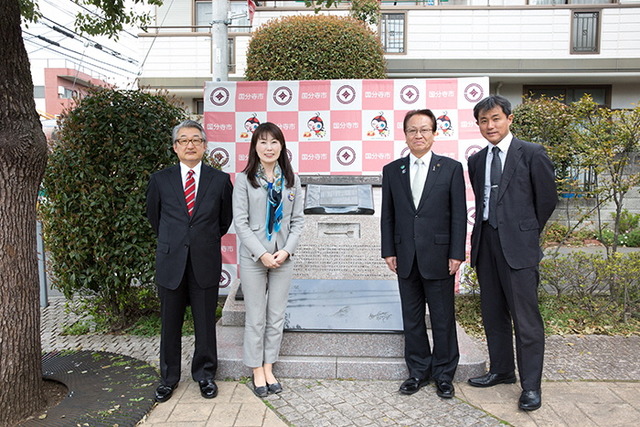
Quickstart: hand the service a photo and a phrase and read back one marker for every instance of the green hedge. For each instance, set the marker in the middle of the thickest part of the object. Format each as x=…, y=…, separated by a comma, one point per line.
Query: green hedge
x=100, y=245
x=314, y=48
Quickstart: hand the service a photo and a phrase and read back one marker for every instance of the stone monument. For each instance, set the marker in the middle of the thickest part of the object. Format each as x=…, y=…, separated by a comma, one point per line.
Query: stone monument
x=344, y=318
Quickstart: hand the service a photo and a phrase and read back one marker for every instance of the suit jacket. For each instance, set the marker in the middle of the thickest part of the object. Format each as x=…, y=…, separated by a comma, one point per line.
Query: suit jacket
x=250, y=214
x=180, y=235
x=526, y=199
x=435, y=231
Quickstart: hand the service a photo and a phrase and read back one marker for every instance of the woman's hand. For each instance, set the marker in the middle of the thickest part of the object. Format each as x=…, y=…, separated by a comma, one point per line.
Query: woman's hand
x=269, y=261
x=280, y=256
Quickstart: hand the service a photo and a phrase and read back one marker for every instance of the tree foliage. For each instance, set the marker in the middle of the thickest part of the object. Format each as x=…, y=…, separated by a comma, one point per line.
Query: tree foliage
x=111, y=16
x=550, y=122
x=586, y=138
x=101, y=245
x=367, y=11
x=611, y=139
x=23, y=155
x=317, y=48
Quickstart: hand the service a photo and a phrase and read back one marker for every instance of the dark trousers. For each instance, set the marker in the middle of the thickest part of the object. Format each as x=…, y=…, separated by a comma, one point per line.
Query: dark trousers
x=421, y=362
x=172, y=307
x=510, y=296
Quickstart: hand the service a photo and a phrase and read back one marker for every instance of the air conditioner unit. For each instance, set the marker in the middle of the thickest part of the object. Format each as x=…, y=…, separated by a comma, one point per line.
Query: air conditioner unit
x=61, y=90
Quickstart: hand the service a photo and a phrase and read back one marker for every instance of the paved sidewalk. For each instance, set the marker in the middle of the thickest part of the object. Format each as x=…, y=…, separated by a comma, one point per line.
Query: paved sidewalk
x=588, y=381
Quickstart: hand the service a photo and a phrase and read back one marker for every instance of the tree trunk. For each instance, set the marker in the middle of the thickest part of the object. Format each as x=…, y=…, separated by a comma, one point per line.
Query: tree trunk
x=23, y=152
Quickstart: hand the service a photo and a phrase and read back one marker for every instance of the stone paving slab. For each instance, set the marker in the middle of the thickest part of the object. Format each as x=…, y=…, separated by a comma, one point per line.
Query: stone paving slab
x=588, y=381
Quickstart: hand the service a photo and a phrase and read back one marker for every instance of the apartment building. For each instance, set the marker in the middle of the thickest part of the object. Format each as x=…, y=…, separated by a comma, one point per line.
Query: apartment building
x=555, y=47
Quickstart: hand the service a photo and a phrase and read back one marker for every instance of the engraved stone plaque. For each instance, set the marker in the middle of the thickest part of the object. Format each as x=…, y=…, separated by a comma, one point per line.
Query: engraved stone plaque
x=344, y=305
x=339, y=199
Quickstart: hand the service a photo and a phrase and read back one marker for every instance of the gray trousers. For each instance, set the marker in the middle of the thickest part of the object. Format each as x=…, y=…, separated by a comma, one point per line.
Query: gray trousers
x=266, y=292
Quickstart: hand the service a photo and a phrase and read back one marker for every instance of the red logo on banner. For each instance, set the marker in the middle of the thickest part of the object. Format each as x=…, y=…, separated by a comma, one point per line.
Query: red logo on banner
x=225, y=279
x=473, y=92
x=409, y=94
x=282, y=95
x=471, y=150
x=219, y=96
x=346, y=156
x=219, y=156
x=346, y=94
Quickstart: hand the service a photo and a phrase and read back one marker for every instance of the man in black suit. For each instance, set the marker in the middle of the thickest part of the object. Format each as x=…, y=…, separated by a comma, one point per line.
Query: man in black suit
x=514, y=186
x=423, y=227
x=189, y=207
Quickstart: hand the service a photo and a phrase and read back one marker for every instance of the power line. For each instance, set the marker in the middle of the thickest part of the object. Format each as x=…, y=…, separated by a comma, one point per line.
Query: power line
x=72, y=34
x=78, y=53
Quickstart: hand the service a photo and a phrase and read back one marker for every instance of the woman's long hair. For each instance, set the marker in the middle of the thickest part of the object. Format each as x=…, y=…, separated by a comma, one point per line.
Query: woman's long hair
x=252, y=165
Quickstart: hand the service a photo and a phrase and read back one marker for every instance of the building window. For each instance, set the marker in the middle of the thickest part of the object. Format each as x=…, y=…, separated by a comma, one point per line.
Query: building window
x=600, y=94
x=392, y=32
x=203, y=16
x=66, y=93
x=198, y=104
x=237, y=10
x=38, y=92
x=585, y=30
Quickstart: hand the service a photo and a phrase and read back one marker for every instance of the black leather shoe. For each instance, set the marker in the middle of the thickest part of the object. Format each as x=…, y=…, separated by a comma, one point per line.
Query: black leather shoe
x=274, y=388
x=412, y=385
x=208, y=389
x=530, y=400
x=489, y=379
x=164, y=392
x=445, y=389
x=262, y=391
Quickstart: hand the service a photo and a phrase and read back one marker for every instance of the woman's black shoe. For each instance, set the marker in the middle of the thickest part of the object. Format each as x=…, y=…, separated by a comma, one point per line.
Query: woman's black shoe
x=274, y=388
x=262, y=391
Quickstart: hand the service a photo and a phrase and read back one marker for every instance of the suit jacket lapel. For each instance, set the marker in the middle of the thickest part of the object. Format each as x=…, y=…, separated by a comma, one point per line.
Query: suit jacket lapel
x=404, y=177
x=206, y=175
x=480, y=172
x=432, y=177
x=513, y=157
x=175, y=181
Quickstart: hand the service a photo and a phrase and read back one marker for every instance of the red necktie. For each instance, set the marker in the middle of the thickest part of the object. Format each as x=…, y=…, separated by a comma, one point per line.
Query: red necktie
x=190, y=192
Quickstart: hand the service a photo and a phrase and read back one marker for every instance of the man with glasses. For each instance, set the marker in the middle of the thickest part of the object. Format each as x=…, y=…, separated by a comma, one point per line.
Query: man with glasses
x=423, y=227
x=189, y=207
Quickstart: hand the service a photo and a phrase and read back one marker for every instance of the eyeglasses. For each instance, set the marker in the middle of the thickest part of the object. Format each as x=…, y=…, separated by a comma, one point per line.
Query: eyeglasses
x=414, y=132
x=197, y=142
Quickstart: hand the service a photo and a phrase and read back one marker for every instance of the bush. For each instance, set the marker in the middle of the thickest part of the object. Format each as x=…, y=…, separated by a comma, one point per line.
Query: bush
x=314, y=48
x=628, y=221
x=592, y=277
x=100, y=243
x=580, y=293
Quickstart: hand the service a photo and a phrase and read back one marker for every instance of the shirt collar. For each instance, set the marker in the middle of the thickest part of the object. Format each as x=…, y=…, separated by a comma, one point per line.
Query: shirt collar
x=184, y=169
x=504, y=144
x=426, y=158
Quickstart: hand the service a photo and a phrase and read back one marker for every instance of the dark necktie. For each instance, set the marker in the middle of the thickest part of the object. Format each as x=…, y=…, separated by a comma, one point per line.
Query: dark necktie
x=496, y=174
x=190, y=191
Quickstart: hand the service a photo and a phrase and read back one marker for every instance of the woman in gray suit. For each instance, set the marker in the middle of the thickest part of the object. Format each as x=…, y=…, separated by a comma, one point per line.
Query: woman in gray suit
x=268, y=217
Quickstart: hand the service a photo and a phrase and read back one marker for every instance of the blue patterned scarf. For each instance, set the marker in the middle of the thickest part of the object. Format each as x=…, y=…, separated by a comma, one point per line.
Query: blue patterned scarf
x=274, y=199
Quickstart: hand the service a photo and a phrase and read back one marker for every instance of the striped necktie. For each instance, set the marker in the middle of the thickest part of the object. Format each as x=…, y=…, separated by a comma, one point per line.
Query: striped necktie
x=190, y=192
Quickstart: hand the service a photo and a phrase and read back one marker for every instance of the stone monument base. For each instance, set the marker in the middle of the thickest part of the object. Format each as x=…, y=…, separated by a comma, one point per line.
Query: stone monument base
x=348, y=355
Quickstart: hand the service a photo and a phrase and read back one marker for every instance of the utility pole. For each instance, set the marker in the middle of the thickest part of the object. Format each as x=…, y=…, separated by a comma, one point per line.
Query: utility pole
x=219, y=40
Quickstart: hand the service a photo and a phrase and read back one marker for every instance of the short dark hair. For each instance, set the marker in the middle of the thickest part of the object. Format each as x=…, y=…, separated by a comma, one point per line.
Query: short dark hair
x=423, y=112
x=489, y=103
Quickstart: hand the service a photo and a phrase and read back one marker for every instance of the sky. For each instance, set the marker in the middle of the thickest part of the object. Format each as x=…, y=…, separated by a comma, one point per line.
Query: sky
x=116, y=62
